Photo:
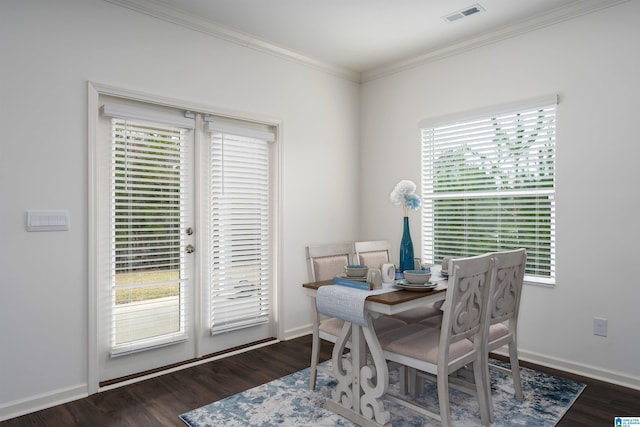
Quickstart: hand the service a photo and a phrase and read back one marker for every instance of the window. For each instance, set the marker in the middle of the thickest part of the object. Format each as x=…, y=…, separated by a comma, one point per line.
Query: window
x=239, y=211
x=148, y=212
x=488, y=182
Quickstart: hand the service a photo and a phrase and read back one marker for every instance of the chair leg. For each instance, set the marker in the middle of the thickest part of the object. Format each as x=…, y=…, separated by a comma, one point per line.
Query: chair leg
x=484, y=370
x=515, y=370
x=410, y=381
x=443, y=398
x=483, y=390
x=315, y=347
x=404, y=383
x=415, y=382
x=315, y=358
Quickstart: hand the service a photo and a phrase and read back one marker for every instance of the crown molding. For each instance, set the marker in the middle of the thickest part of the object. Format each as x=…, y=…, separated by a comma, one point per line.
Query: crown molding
x=564, y=13
x=224, y=33
x=570, y=11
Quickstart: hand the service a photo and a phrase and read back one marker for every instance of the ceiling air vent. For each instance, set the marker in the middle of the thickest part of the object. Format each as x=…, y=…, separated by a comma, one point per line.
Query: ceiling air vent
x=463, y=13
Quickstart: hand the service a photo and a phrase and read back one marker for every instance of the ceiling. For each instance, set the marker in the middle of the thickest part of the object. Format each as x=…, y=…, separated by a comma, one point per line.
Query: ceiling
x=363, y=36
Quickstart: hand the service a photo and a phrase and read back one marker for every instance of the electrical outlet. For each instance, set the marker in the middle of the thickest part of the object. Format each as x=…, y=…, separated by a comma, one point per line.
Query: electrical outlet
x=600, y=327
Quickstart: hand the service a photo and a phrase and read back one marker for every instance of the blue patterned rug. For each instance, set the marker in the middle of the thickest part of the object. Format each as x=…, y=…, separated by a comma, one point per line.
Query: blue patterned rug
x=289, y=402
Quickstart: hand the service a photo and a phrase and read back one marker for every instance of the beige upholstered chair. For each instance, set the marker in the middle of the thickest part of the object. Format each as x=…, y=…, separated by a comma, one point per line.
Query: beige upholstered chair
x=503, y=310
x=324, y=262
x=374, y=253
x=440, y=351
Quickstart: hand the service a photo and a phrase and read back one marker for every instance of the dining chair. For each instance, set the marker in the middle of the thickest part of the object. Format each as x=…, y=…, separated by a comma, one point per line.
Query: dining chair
x=374, y=253
x=504, y=306
x=324, y=262
x=443, y=350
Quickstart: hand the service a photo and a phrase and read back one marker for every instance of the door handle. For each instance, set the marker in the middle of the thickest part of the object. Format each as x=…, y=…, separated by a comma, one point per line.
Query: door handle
x=190, y=249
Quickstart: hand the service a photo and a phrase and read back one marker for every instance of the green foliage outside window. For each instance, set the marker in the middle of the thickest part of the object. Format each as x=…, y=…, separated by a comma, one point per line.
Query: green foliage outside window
x=496, y=194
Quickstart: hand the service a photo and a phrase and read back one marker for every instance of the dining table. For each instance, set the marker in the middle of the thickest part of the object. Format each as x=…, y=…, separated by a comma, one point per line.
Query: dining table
x=363, y=376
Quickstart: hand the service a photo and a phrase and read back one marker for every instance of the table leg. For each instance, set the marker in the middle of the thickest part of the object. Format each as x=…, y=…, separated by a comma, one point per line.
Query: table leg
x=361, y=385
x=343, y=369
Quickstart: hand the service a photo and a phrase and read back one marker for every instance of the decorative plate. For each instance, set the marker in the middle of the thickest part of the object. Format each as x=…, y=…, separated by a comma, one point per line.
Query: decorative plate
x=406, y=286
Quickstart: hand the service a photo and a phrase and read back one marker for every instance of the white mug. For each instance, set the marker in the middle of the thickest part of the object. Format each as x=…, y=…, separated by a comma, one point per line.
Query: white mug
x=388, y=273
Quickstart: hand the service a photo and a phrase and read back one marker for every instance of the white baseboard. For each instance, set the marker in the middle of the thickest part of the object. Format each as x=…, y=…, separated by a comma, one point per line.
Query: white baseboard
x=42, y=401
x=565, y=365
x=569, y=366
x=298, y=332
x=58, y=397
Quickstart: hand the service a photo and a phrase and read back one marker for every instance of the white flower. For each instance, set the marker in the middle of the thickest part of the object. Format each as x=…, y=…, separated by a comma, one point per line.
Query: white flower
x=405, y=187
x=396, y=198
x=404, y=194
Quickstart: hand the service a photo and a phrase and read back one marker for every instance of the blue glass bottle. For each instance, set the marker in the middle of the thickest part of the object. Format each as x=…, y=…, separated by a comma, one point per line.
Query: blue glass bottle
x=406, y=247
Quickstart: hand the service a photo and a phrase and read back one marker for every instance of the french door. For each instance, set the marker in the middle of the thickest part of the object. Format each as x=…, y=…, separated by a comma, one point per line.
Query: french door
x=184, y=238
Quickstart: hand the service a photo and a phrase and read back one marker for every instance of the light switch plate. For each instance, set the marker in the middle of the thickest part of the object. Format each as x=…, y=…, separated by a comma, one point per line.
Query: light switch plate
x=47, y=220
x=600, y=326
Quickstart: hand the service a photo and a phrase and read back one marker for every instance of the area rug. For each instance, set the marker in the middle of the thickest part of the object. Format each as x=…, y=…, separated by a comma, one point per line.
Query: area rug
x=289, y=402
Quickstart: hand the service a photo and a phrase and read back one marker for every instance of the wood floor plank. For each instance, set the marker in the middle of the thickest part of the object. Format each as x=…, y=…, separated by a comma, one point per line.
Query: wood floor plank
x=159, y=401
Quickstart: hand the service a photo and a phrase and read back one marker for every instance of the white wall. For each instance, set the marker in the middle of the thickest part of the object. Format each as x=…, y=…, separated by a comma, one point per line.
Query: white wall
x=49, y=50
x=592, y=63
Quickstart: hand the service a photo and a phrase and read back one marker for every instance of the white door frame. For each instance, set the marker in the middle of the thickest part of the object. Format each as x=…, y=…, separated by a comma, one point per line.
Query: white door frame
x=94, y=90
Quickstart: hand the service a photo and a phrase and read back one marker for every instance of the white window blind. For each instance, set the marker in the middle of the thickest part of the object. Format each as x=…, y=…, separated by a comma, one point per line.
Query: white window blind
x=239, y=244
x=147, y=217
x=488, y=185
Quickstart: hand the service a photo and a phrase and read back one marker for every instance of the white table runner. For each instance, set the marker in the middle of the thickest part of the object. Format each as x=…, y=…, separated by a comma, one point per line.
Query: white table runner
x=346, y=303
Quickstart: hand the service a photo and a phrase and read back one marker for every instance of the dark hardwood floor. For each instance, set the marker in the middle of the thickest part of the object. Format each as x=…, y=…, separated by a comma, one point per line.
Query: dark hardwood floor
x=159, y=401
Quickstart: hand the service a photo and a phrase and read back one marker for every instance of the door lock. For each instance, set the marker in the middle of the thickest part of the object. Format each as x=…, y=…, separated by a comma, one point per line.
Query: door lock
x=189, y=231
x=190, y=249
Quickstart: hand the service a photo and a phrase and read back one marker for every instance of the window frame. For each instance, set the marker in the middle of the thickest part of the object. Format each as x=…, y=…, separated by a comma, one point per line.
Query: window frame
x=436, y=137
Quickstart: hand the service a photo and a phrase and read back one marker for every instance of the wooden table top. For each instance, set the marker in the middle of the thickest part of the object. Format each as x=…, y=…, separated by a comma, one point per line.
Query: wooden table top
x=389, y=298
